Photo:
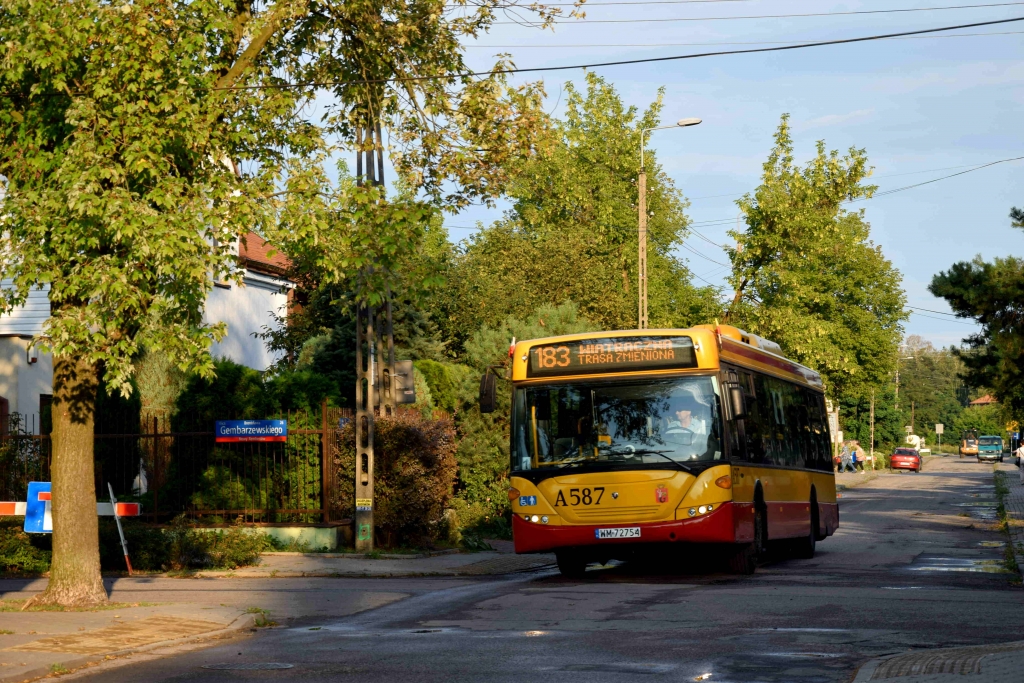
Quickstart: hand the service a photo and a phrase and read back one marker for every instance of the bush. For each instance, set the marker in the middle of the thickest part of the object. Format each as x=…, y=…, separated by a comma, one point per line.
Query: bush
x=192, y=548
x=414, y=473
x=18, y=555
x=444, y=381
x=147, y=546
x=484, y=438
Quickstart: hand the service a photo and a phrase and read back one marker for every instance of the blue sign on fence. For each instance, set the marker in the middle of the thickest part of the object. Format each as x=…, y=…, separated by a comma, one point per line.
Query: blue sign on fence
x=38, y=518
x=231, y=431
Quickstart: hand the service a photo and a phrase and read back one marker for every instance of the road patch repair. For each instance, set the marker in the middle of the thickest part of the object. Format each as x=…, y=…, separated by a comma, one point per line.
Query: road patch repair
x=38, y=643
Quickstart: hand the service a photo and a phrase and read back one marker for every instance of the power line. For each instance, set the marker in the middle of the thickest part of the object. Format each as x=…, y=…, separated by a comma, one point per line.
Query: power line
x=922, y=315
x=709, y=241
x=703, y=280
x=724, y=221
x=935, y=180
x=706, y=258
x=887, y=175
x=623, y=62
x=918, y=308
x=770, y=16
x=755, y=42
x=602, y=4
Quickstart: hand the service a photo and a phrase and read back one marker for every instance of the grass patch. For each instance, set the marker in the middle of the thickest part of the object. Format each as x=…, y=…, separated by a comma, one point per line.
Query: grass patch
x=1002, y=490
x=6, y=632
x=59, y=670
x=16, y=605
x=262, y=619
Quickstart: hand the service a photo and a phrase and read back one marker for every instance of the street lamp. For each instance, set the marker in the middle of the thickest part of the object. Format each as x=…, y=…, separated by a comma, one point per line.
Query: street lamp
x=642, y=224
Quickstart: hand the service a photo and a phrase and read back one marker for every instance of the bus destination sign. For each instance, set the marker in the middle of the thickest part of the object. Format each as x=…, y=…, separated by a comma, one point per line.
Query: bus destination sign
x=613, y=354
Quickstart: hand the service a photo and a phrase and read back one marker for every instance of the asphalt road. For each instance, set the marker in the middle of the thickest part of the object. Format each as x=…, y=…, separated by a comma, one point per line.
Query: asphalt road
x=915, y=564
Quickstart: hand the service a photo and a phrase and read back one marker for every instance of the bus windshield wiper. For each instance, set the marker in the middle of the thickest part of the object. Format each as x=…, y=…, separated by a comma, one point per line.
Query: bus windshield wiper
x=651, y=451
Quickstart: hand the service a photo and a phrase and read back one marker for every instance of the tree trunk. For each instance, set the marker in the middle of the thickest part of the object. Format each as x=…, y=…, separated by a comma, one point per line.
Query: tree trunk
x=75, y=570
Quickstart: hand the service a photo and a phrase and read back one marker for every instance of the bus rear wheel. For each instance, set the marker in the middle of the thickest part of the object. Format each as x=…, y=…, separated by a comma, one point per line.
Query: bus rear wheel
x=571, y=565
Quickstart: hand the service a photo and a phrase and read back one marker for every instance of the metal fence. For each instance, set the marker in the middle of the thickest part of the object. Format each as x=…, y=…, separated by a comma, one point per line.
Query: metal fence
x=173, y=470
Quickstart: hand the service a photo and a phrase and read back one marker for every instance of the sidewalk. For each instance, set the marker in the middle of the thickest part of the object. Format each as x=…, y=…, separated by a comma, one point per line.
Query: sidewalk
x=292, y=565
x=1014, y=504
x=35, y=644
x=848, y=480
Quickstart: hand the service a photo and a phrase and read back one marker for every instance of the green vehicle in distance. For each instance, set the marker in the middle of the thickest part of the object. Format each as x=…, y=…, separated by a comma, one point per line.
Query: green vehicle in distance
x=990, y=448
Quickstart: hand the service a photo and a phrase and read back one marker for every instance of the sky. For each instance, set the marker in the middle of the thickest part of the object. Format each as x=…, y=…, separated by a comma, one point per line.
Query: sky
x=922, y=107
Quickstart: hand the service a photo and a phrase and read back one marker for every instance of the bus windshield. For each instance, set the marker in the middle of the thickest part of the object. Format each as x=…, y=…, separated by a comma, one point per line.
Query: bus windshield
x=606, y=424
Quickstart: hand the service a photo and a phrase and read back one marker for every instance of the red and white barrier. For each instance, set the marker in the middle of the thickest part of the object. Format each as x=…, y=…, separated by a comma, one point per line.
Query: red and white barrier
x=102, y=509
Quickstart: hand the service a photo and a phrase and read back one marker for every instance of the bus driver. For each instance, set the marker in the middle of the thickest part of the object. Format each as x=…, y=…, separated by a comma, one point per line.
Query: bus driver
x=687, y=425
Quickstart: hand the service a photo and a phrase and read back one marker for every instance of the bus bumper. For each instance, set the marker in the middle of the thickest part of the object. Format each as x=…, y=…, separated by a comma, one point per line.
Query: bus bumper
x=718, y=526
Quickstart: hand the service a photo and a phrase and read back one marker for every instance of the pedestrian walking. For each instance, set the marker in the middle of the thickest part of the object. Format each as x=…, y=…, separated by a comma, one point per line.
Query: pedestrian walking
x=1020, y=462
x=845, y=462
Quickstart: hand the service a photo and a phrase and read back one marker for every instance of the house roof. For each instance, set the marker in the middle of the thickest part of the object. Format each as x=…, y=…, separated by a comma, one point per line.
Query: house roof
x=984, y=401
x=255, y=254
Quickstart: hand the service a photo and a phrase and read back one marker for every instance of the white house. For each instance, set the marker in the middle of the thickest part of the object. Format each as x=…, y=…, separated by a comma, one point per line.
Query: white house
x=26, y=376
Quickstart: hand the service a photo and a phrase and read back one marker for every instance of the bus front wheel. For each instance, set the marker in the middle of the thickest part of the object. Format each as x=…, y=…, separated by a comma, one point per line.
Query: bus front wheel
x=570, y=564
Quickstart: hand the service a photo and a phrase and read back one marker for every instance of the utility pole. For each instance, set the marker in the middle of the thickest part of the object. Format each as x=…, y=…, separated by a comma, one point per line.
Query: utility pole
x=642, y=250
x=911, y=417
x=375, y=371
x=872, y=429
x=642, y=224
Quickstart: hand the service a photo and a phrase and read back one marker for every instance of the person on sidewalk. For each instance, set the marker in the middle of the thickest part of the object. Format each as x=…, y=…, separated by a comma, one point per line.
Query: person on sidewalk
x=845, y=460
x=1020, y=462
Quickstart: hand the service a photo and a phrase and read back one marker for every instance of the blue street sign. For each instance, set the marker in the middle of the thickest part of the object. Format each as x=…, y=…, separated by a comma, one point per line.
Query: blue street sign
x=38, y=519
x=228, y=431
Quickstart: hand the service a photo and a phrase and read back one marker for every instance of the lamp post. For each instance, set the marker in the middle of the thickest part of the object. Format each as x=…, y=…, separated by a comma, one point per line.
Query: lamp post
x=642, y=224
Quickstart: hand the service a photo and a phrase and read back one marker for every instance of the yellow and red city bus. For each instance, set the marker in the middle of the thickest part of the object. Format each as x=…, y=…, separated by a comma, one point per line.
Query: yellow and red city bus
x=620, y=440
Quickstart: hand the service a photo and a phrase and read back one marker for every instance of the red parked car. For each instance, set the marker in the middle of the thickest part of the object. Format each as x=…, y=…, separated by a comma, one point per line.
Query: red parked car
x=905, y=459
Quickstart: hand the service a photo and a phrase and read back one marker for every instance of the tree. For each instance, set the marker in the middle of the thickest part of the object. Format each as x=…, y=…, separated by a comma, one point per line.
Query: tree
x=807, y=276
x=984, y=420
x=484, y=438
x=571, y=234
x=930, y=387
x=855, y=419
x=990, y=293
x=139, y=139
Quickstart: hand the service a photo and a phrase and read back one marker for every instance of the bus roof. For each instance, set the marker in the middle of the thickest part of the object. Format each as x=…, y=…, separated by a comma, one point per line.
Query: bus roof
x=627, y=353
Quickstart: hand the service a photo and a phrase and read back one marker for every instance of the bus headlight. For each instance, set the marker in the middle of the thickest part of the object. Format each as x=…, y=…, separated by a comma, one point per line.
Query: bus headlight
x=702, y=509
x=535, y=518
x=692, y=512
x=544, y=519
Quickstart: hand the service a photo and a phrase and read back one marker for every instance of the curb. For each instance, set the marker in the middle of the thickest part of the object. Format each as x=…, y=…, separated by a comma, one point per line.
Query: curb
x=954, y=656
x=867, y=670
x=362, y=556
x=76, y=662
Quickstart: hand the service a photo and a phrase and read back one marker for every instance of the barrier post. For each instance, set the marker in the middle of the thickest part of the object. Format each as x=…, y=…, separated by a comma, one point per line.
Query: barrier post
x=120, y=531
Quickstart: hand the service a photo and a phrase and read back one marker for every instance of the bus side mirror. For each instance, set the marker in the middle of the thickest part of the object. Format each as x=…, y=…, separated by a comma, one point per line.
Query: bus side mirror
x=736, y=402
x=488, y=392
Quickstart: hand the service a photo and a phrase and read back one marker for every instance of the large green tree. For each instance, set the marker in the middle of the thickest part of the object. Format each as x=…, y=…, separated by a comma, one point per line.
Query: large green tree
x=991, y=293
x=139, y=139
x=571, y=234
x=806, y=274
